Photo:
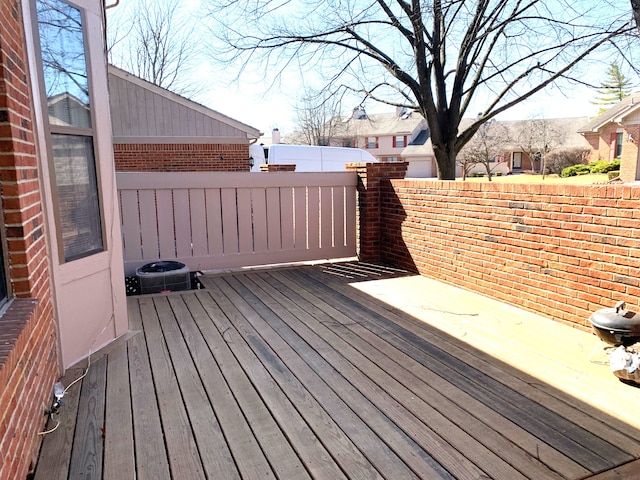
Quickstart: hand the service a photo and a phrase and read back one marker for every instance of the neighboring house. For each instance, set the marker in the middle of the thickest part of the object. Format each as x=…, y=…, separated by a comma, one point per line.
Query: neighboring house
x=615, y=134
x=405, y=136
x=157, y=130
x=62, y=293
x=522, y=143
x=386, y=136
x=527, y=140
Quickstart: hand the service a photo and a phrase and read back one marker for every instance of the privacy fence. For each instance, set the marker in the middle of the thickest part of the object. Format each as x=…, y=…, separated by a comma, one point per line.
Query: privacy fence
x=225, y=219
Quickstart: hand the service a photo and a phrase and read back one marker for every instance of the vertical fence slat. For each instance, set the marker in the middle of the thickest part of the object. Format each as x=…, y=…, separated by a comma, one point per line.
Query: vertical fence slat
x=245, y=222
x=166, y=228
x=350, y=220
x=300, y=200
x=286, y=218
x=338, y=217
x=131, y=225
x=313, y=218
x=183, y=224
x=198, y=226
x=149, y=224
x=260, y=229
x=273, y=219
x=326, y=217
x=214, y=221
x=229, y=221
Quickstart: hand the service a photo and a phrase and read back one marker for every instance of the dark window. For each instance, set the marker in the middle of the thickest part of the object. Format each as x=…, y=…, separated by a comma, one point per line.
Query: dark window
x=71, y=136
x=618, y=144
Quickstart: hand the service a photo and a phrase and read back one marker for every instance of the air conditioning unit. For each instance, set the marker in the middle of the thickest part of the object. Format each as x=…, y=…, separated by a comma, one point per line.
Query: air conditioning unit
x=164, y=276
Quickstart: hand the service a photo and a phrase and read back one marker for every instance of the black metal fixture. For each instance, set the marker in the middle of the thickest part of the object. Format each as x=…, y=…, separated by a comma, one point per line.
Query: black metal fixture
x=251, y=162
x=616, y=326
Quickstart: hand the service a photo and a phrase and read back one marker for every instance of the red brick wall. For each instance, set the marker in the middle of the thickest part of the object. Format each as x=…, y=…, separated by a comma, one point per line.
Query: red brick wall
x=28, y=344
x=373, y=182
x=181, y=157
x=562, y=251
x=559, y=250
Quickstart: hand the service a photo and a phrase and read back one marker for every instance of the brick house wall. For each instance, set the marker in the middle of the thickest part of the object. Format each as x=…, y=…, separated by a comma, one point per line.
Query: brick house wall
x=562, y=251
x=600, y=143
x=629, y=160
x=593, y=139
x=28, y=338
x=178, y=157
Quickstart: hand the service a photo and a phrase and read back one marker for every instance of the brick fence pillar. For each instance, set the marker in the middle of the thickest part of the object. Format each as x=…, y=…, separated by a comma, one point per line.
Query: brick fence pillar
x=373, y=178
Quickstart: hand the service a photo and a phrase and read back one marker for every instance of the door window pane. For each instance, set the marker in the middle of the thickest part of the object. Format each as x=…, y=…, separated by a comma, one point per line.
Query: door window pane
x=77, y=186
x=64, y=64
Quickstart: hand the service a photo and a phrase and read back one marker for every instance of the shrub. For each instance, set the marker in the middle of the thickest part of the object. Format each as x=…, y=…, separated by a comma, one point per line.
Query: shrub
x=600, y=166
x=558, y=160
x=603, y=166
x=575, y=170
x=613, y=174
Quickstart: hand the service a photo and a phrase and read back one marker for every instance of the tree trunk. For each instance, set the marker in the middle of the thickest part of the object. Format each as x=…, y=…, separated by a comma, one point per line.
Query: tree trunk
x=635, y=6
x=446, y=160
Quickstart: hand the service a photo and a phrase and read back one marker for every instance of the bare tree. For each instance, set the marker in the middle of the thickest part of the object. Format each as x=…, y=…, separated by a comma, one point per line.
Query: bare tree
x=538, y=137
x=635, y=7
x=155, y=41
x=441, y=58
x=319, y=118
x=486, y=148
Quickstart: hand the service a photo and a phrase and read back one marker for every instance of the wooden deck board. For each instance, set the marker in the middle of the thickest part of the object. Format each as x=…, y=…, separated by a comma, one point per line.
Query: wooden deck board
x=119, y=458
x=482, y=380
x=151, y=459
x=296, y=374
x=409, y=389
x=55, y=456
x=182, y=450
x=88, y=441
x=223, y=372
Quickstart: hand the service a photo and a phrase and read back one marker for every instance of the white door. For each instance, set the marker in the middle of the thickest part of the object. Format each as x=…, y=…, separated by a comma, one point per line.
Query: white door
x=517, y=160
x=68, y=68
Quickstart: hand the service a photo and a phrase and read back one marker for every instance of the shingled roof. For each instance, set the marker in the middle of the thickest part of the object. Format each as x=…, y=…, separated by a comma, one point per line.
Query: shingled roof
x=614, y=114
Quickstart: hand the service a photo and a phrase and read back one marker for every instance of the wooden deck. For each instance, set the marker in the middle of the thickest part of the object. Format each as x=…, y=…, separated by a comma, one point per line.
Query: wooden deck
x=353, y=373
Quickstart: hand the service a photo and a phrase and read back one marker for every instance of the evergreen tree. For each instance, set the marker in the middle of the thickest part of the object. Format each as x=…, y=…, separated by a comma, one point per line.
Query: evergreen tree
x=613, y=89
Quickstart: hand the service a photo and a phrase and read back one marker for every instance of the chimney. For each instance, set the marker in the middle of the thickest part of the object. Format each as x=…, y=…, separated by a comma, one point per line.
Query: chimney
x=275, y=136
x=359, y=113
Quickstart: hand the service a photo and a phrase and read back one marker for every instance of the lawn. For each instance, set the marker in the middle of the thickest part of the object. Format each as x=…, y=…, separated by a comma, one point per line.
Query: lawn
x=549, y=179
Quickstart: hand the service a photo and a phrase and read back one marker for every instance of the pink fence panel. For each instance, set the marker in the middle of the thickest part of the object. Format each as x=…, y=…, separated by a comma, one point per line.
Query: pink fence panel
x=219, y=220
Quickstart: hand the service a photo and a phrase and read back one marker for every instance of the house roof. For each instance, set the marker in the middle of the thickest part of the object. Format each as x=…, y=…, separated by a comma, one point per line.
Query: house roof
x=614, y=114
x=563, y=130
x=144, y=111
x=379, y=124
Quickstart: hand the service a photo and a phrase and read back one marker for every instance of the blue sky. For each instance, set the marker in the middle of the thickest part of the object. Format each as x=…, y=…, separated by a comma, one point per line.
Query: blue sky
x=255, y=100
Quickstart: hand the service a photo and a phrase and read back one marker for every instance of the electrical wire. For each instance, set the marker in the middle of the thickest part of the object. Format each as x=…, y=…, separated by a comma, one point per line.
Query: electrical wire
x=64, y=392
x=47, y=432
